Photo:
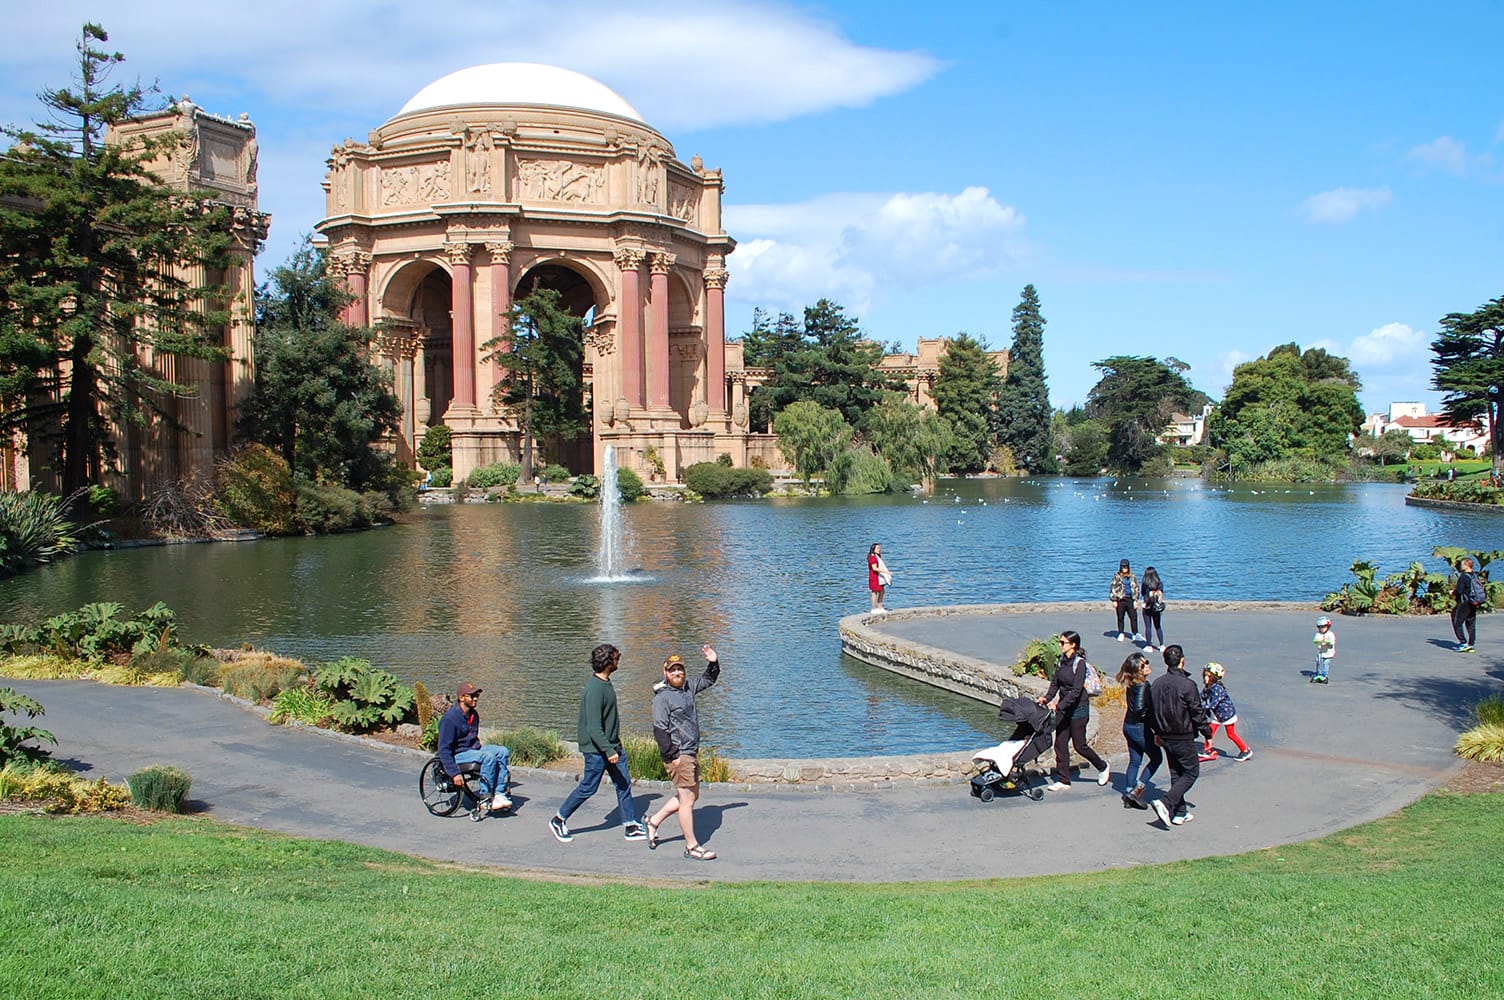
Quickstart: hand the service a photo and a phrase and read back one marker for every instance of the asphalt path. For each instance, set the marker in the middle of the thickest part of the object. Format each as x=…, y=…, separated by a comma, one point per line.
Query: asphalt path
x=1326, y=758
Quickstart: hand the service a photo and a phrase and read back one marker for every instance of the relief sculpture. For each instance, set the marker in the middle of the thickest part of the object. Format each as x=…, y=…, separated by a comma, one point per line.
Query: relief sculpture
x=684, y=203
x=559, y=180
x=428, y=182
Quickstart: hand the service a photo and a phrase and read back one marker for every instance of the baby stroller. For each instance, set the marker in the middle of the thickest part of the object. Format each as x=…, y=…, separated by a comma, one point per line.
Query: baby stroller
x=1001, y=768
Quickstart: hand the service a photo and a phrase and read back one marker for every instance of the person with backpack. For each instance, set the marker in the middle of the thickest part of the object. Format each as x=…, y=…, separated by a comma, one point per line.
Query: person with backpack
x=1153, y=591
x=1068, y=697
x=1470, y=597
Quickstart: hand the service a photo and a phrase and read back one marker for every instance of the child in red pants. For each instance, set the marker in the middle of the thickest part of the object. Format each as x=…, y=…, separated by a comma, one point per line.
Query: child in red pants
x=1220, y=711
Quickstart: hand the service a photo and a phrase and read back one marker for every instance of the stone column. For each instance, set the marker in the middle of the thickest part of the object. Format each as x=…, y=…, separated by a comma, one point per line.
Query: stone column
x=715, y=338
x=657, y=352
x=357, y=313
x=463, y=326
x=501, y=299
x=630, y=325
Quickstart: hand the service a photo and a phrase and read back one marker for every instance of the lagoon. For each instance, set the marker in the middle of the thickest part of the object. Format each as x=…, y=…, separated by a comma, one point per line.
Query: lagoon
x=503, y=594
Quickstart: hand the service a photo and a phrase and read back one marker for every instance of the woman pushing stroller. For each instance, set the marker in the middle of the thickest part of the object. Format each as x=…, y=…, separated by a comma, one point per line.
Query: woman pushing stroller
x=1067, y=696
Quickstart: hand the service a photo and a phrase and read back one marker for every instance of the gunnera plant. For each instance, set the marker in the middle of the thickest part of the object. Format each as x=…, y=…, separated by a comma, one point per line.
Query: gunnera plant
x=160, y=789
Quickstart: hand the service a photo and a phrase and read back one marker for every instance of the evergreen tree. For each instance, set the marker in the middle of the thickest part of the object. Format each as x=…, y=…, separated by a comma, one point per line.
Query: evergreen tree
x=1288, y=403
x=829, y=364
x=1469, y=369
x=966, y=394
x=1134, y=400
x=93, y=253
x=541, y=360
x=318, y=401
x=1023, y=408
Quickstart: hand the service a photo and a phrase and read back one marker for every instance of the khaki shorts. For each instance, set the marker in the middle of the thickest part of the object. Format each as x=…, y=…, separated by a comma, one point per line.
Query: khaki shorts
x=685, y=772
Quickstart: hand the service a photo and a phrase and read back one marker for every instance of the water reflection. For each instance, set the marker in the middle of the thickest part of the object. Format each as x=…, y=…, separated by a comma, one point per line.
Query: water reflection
x=500, y=593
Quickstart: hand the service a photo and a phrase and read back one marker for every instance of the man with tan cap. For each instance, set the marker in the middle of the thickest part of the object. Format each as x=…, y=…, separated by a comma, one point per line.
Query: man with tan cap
x=459, y=743
x=676, y=727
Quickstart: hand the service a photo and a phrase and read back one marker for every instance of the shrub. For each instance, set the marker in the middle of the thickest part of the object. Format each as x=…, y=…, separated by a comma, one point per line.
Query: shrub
x=203, y=670
x=300, y=703
x=858, y=471
x=554, y=472
x=429, y=740
x=442, y=476
x=14, y=738
x=1490, y=711
x=255, y=682
x=33, y=530
x=95, y=632
x=160, y=789
x=1039, y=657
x=61, y=791
x=530, y=747
x=364, y=696
x=1460, y=491
x=712, y=479
x=724, y=459
x=436, y=450
x=629, y=485
x=644, y=762
x=254, y=488
x=103, y=500
x=184, y=508
x=757, y=462
x=328, y=509
x=654, y=462
x=1484, y=742
x=495, y=474
x=586, y=487
x=713, y=767
x=422, y=704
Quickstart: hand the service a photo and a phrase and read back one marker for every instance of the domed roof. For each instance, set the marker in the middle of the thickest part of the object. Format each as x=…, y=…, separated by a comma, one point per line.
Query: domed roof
x=520, y=83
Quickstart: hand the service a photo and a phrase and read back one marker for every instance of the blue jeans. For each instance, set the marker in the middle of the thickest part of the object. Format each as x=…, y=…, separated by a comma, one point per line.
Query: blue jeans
x=590, y=782
x=1140, y=745
x=493, y=765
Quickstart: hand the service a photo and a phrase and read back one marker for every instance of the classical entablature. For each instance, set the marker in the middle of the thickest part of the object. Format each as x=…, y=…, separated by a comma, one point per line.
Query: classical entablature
x=497, y=179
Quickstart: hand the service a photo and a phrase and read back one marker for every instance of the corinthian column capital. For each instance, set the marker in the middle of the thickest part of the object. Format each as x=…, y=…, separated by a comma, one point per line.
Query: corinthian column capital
x=715, y=277
x=501, y=251
x=628, y=259
x=458, y=253
x=663, y=262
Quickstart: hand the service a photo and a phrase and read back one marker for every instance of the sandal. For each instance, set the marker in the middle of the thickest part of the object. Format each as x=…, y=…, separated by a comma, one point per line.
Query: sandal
x=699, y=853
x=652, y=834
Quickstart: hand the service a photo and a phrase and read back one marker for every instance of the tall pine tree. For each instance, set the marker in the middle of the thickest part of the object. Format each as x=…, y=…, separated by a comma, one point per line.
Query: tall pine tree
x=966, y=391
x=1023, y=409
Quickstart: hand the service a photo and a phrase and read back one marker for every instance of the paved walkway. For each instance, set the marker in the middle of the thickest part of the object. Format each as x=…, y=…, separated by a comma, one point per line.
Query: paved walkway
x=1378, y=737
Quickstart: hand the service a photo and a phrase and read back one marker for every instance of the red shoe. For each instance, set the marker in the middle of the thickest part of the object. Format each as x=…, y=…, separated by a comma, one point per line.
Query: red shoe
x=1207, y=755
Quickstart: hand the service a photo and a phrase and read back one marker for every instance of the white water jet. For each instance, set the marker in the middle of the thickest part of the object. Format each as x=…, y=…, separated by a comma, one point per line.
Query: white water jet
x=608, y=558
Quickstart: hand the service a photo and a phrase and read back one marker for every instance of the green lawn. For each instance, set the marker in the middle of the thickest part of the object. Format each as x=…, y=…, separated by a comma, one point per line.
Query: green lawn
x=93, y=907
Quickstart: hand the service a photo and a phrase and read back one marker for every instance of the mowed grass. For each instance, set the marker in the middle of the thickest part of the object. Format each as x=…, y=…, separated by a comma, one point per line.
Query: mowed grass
x=1407, y=907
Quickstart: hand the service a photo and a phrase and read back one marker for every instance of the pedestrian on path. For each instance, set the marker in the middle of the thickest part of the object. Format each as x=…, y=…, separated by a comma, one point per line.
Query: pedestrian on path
x=879, y=578
x=676, y=727
x=1220, y=712
x=1153, y=590
x=1134, y=676
x=1326, y=648
x=1122, y=595
x=599, y=733
x=1470, y=597
x=1176, y=717
x=1067, y=697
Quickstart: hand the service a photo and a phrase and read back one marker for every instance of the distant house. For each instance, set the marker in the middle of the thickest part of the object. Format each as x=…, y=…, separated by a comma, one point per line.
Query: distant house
x=1186, y=430
x=1424, y=428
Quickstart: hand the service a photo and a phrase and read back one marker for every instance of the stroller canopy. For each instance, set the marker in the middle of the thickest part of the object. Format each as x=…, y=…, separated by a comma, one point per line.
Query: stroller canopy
x=1025, y=710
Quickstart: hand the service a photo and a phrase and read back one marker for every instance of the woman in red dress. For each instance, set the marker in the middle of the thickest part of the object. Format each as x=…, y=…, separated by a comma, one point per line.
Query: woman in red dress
x=878, y=577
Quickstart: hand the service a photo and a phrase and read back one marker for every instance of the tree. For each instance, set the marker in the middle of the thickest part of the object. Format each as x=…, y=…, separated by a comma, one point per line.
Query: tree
x=811, y=436
x=94, y=254
x=966, y=394
x=828, y=364
x=1086, y=448
x=1288, y=403
x=1469, y=369
x=541, y=359
x=915, y=441
x=1134, y=400
x=1392, y=446
x=1023, y=407
x=318, y=401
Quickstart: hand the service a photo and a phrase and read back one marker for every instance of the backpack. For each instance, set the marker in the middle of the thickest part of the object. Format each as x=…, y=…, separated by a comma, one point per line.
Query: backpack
x=1093, y=683
x=1476, y=594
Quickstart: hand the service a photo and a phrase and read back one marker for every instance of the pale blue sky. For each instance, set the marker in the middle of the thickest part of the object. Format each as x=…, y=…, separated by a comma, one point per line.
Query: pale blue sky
x=1190, y=180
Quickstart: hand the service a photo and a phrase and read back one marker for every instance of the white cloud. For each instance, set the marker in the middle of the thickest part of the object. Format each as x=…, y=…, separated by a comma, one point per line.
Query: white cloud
x=1225, y=363
x=854, y=247
x=1393, y=346
x=1444, y=153
x=1342, y=204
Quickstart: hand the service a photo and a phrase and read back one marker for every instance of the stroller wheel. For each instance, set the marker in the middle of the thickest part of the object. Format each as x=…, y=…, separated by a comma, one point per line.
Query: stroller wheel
x=985, y=794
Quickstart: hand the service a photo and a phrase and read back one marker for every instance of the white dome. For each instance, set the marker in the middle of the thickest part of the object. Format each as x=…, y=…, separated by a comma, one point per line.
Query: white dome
x=520, y=83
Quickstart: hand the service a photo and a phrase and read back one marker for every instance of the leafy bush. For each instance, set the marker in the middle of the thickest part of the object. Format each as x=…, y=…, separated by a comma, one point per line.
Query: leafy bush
x=176, y=662
x=95, y=632
x=33, y=530
x=858, y=471
x=629, y=485
x=300, y=703
x=1413, y=590
x=1460, y=491
x=495, y=474
x=103, y=500
x=712, y=479
x=644, y=762
x=1490, y=711
x=14, y=738
x=254, y=488
x=429, y=740
x=587, y=487
x=724, y=458
x=436, y=450
x=1039, y=657
x=442, y=476
x=554, y=472
x=326, y=509
x=530, y=747
x=160, y=789
x=654, y=462
x=61, y=791
x=364, y=696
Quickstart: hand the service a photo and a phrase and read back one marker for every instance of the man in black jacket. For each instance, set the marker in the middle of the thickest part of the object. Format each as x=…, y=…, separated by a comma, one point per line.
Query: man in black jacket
x=1176, y=718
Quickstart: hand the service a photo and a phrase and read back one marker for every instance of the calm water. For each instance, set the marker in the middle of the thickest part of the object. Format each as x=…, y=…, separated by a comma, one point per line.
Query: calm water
x=501, y=594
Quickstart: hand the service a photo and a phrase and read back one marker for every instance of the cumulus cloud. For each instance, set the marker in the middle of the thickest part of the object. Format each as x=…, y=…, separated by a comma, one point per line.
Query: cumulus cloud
x=854, y=247
x=1444, y=153
x=1393, y=346
x=1341, y=204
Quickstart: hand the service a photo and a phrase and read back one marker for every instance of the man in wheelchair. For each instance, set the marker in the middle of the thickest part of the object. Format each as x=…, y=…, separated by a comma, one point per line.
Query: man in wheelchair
x=459, y=743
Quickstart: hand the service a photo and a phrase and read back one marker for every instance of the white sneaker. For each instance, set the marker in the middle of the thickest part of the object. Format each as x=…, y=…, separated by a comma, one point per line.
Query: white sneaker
x=1057, y=786
x=1104, y=775
x=1183, y=819
x=1160, y=811
x=1137, y=637
x=1122, y=637
x=500, y=803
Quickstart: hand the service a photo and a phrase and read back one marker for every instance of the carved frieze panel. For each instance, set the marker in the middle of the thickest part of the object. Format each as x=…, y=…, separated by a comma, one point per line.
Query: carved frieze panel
x=600, y=337
x=684, y=203
x=415, y=184
x=559, y=180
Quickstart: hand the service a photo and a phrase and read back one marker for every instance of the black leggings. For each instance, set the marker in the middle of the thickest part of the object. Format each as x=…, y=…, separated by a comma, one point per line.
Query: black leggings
x=1127, y=607
x=1152, y=625
x=1073, y=731
x=1465, y=618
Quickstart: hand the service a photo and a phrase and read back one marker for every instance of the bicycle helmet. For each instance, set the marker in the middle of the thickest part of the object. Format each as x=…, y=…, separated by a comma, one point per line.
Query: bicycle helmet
x=1216, y=670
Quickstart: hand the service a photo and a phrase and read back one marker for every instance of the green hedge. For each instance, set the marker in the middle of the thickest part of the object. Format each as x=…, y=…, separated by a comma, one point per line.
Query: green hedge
x=495, y=474
x=712, y=479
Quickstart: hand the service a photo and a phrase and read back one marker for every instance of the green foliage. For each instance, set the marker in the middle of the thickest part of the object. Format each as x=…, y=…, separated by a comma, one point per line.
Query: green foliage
x=825, y=361
x=1490, y=711
x=1039, y=657
x=724, y=458
x=364, y=696
x=254, y=488
x=1085, y=448
x=1134, y=400
x=300, y=703
x=1414, y=590
x=1023, y=418
x=554, y=473
x=95, y=632
x=196, y=669
x=33, y=530
x=94, y=254
x=13, y=739
x=644, y=762
x=318, y=399
x=918, y=444
x=59, y=790
x=1285, y=404
x=175, y=661
x=160, y=789
x=436, y=450
x=442, y=476
x=429, y=738
x=257, y=681
x=495, y=474
x=859, y=471
x=1459, y=491
x=629, y=485
x=103, y=500
x=588, y=487
x=811, y=436
x=1289, y=469
x=541, y=359
x=324, y=509
x=422, y=704
x=1469, y=369
x=966, y=390
x=713, y=767
x=530, y=746
x=714, y=480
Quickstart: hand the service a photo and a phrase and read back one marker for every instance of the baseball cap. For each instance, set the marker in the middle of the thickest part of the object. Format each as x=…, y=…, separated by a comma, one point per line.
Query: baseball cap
x=1123, y=564
x=672, y=661
x=468, y=688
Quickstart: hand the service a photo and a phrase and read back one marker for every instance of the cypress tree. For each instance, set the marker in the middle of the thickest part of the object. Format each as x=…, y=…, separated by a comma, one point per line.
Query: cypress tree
x=1023, y=408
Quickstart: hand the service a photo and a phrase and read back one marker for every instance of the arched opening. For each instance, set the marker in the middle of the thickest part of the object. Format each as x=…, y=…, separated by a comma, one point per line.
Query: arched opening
x=417, y=303
x=578, y=297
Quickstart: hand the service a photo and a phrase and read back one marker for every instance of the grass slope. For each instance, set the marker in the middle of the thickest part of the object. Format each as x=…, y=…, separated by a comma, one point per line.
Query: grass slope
x=94, y=907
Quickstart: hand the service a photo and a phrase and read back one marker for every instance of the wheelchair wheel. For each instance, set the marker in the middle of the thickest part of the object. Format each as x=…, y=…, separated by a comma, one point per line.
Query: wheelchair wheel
x=440, y=795
x=985, y=794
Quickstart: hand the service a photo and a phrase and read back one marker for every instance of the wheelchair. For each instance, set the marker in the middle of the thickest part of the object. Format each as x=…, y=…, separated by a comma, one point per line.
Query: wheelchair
x=442, y=796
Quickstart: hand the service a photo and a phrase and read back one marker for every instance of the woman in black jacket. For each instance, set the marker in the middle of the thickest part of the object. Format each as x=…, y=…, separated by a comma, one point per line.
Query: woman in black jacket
x=1067, y=696
x=1134, y=676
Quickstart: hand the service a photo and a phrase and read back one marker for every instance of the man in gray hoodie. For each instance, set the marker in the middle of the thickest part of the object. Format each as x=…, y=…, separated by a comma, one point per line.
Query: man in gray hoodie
x=676, y=727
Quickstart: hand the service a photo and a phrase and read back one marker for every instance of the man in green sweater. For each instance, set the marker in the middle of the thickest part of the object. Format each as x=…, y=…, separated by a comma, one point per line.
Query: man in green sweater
x=600, y=741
